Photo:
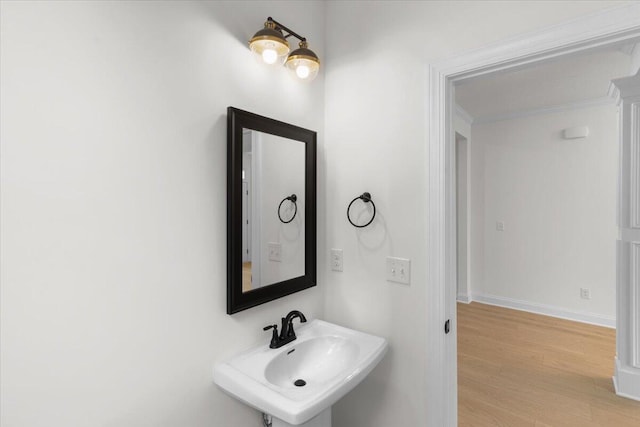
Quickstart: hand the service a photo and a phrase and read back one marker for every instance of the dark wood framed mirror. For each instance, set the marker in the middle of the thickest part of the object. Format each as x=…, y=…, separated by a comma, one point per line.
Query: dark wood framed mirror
x=271, y=209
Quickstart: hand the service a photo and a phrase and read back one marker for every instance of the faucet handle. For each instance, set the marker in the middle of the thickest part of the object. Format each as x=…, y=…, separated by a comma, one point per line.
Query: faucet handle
x=274, y=335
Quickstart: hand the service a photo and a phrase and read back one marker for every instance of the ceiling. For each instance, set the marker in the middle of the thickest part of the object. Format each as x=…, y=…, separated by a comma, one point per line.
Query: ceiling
x=575, y=79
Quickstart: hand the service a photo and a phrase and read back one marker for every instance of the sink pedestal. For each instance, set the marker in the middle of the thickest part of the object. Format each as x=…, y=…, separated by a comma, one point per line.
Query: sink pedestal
x=323, y=419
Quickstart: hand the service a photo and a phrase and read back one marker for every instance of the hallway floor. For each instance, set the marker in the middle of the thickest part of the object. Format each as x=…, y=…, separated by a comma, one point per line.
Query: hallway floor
x=522, y=369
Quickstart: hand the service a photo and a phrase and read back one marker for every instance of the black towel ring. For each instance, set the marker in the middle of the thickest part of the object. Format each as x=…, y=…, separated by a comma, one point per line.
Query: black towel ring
x=293, y=198
x=365, y=197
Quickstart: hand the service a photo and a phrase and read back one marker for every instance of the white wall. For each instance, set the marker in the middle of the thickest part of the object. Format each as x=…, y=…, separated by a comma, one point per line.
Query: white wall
x=473, y=173
x=462, y=127
x=557, y=198
x=635, y=59
x=281, y=175
x=375, y=141
x=113, y=196
x=462, y=122
x=476, y=209
x=113, y=231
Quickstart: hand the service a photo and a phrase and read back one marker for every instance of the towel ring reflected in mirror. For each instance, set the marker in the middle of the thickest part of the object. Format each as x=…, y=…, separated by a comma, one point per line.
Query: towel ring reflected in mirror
x=293, y=199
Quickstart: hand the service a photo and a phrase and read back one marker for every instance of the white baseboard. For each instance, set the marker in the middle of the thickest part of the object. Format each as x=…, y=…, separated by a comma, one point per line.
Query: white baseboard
x=547, y=310
x=626, y=381
x=464, y=298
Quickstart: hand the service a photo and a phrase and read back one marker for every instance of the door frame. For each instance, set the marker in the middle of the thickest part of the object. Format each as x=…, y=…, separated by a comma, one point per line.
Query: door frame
x=601, y=29
x=463, y=140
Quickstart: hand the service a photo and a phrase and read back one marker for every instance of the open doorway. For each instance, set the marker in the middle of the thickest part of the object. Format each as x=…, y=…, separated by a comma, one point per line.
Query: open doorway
x=606, y=28
x=544, y=166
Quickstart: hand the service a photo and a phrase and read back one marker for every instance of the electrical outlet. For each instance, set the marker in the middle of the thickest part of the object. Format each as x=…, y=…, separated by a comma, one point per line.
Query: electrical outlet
x=500, y=226
x=585, y=293
x=275, y=252
x=336, y=259
x=398, y=270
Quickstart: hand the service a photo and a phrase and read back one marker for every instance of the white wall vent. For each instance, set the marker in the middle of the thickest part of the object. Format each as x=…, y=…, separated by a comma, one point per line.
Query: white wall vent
x=576, y=132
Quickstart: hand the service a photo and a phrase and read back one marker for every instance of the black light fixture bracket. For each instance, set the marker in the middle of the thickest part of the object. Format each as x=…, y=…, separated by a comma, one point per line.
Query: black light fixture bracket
x=290, y=32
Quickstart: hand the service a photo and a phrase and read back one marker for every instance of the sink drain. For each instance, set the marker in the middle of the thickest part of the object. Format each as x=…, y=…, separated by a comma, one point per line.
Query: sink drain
x=300, y=383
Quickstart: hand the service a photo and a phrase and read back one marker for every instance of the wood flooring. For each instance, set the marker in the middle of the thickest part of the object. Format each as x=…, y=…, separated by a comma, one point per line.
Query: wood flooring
x=246, y=276
x=522, y=369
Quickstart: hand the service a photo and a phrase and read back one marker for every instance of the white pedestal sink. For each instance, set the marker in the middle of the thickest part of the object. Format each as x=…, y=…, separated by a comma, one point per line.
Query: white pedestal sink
x=297, y=384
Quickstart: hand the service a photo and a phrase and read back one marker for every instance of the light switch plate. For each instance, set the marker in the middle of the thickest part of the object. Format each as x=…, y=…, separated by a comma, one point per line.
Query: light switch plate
x=399, y=270
x=500, y=226
x=275, y=252
x=336, y=259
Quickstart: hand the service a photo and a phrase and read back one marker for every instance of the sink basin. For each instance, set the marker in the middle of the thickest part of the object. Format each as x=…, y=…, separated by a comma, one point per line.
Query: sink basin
x=303, y=378
x=316, y=361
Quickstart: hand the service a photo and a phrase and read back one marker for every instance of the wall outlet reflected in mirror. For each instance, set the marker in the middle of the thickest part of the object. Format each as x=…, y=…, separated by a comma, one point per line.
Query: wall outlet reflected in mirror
x=336, y=259
x=275, y=252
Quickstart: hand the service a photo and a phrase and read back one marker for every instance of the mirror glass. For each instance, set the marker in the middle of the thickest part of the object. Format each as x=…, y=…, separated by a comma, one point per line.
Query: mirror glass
x=271, y=209
x=272, y=218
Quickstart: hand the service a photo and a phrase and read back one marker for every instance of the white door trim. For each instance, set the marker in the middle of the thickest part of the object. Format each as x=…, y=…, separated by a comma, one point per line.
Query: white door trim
x=257, y=244
x=627, y=367
x=599, y=29
x=463, y=293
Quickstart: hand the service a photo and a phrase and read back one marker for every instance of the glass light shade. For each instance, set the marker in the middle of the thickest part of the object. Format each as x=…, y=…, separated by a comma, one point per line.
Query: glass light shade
x=269, y=45
x=303, y=63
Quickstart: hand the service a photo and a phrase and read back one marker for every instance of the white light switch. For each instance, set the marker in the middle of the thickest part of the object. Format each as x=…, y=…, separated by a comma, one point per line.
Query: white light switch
x=500, y=226
x=336, y=259
x=398, y=270
x=275, y=252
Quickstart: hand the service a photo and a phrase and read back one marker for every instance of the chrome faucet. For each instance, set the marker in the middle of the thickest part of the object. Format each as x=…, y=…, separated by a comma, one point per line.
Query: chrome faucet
x=287, y=334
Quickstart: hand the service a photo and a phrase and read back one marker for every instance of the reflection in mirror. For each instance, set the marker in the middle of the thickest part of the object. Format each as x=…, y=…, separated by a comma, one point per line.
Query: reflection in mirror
x=273, y=169
x=271, y=209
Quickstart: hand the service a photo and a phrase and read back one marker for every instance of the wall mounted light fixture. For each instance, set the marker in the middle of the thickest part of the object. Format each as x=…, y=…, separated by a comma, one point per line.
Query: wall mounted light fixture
x=270, y=45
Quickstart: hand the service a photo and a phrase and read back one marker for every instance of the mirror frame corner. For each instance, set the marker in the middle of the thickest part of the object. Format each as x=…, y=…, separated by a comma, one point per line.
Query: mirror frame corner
x=237, y=120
